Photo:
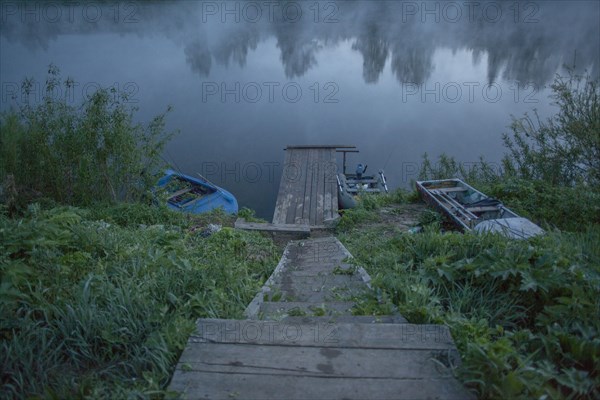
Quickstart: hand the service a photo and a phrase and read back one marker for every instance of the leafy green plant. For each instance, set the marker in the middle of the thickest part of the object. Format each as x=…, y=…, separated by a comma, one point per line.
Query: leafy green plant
x=448, y=167
x=296, y=312
x=249, y=215
x=79, y=154
x=520, y=312
x=564, y=149
x=430, y=217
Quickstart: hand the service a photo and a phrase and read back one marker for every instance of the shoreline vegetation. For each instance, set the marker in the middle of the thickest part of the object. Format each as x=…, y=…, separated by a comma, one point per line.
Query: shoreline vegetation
x=100, y=287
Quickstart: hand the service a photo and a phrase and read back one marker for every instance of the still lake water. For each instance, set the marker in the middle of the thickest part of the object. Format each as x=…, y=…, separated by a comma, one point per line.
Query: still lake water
x=397, y=79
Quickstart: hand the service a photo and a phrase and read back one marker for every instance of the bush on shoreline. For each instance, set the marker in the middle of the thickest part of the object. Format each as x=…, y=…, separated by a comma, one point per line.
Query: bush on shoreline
x=78, y=154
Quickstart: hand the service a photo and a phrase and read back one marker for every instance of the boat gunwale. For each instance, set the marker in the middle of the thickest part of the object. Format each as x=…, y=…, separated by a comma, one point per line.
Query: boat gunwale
x=432, y=200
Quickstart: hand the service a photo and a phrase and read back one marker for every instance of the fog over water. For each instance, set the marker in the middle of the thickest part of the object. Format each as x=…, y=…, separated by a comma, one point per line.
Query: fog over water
x=396, y=78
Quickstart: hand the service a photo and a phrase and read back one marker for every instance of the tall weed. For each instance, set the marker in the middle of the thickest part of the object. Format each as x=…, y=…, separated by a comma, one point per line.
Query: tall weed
x=78, y=154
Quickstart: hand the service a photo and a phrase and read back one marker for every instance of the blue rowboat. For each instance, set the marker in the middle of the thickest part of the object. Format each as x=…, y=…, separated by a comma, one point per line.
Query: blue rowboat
x=195, y=195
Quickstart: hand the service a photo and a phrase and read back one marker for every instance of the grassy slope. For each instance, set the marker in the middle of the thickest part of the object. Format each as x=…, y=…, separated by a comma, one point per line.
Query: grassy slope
x=100, y=302
x=524, y=314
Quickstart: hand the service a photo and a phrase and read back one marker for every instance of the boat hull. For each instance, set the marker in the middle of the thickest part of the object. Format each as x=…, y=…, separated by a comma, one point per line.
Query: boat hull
x=345, y=199
x=472, y=210
x=202, y=196
x=350, y=186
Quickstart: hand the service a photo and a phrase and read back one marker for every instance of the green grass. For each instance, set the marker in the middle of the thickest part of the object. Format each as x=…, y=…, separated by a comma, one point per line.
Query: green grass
x=524, y=314
x=366, y=204
x=100, y=303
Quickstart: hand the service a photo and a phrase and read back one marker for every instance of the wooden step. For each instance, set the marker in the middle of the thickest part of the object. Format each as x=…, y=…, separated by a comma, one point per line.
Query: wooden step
x=293, y=277
x=295, y=229
x=279, y=309
x=309, y=294
x=228, y=359
x=316, y=288
x=358, y=319
x=377, y=336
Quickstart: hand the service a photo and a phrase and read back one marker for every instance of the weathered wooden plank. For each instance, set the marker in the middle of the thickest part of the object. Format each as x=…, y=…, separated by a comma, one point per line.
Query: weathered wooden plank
x=320, y=288
x=309, y=253
x=179, y=193
x=321, y=187
x=241, y=223
x=320, y=146
x=277, y=215
x=302, y=294
x=334, y=195
x=290, y=170
x=314, y=361
x=453, y=189
x=300, y=188
x=330, y=184
x=296, y=174
x=312, y=271
x=316, y=280
x=216, y=385
x=358, y=319
x=483, y=209
x=315, y=188
x=308, y=187
x=354, y=190
x=298, y=165
x=281, y=333
x=283, y=199
x=277, y=309
x=322, y=295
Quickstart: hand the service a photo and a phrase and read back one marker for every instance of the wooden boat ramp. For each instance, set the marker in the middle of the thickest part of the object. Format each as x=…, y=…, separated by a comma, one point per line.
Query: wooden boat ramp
x=300, y=338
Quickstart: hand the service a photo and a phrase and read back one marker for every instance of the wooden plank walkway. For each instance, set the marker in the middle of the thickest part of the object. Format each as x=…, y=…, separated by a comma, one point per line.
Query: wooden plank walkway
x=308, y=187
x=301, y=341
x=311, y=279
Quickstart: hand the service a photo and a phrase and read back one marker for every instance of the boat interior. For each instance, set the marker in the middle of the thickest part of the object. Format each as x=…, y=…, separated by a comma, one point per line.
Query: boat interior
x=369, y=184
x=465, y=203
x=187, y=192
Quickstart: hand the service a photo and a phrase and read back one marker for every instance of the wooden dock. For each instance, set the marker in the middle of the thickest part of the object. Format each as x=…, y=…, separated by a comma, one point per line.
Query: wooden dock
x=308, y=187
x=301, y=341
